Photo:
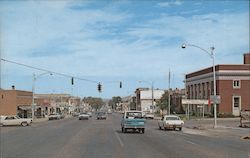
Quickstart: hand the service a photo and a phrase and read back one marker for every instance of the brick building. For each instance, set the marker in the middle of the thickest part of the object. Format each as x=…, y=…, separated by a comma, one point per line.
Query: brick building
x=15, y=102
x=232, y=84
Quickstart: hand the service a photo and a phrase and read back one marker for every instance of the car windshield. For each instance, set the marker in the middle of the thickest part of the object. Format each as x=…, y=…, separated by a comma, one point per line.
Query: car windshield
x=134, y=114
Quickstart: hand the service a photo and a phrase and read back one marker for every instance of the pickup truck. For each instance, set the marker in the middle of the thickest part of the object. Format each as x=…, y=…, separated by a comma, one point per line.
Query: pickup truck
x=133, y=120
x=170, y=122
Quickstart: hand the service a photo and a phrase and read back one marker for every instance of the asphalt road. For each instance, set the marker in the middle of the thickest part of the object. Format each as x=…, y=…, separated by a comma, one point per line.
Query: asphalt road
x=73, y=138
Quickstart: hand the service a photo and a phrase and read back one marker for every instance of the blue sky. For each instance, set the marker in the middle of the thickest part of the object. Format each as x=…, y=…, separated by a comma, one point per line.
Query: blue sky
x=111, y=41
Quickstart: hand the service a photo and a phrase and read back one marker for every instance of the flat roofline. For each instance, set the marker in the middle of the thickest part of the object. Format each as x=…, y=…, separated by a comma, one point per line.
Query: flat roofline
x=219, y=67
x=8, y=90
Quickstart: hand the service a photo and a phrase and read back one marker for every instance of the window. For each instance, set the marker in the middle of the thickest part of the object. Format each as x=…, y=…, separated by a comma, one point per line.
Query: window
x=236, y=83
x=236, y=102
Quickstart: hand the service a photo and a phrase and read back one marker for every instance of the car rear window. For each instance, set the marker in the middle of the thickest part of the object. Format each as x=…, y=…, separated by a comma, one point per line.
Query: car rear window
x=172, y=118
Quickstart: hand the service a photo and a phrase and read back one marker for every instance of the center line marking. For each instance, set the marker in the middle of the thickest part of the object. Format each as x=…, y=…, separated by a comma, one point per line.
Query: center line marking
x=118, y=137
x=191, y=142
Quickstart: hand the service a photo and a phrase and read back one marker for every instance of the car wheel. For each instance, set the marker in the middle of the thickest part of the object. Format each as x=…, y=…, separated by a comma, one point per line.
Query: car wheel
x=24, y=124
x=160, y=127
x=125, y=130
x=143, y=131
x=180, y=129
x=122, y=129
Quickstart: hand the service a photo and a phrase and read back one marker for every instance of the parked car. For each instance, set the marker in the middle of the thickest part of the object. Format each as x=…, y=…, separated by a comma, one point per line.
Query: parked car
x=109, y=111
x=75, y=114
x=170, y=122
x=101, y=116
x=149, y=116
x=55, y=116
x=90, y=114
x=83, y=116
x=14, y=120
x=133, y=120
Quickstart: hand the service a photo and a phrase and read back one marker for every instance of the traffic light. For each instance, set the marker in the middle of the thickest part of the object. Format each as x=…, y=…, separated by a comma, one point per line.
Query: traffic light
x=120, y=84
x=99, y=87
x=72, y=81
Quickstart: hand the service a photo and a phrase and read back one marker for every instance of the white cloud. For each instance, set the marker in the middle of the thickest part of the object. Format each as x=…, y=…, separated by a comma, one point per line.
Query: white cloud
x=108, y=42
x=163, y=4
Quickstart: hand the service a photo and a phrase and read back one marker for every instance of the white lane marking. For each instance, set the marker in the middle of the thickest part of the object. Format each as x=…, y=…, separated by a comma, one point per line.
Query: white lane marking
x=118, y=137
x=191, y=142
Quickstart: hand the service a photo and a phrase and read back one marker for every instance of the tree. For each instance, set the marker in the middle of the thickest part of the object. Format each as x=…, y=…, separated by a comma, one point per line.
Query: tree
x=163, y=102
x=95, y=103
x=113, y=102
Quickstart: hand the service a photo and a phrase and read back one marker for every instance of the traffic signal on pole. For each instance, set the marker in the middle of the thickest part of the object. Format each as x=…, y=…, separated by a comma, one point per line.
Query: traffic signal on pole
x=72, y=81
x=99, y=87
x=120, y=84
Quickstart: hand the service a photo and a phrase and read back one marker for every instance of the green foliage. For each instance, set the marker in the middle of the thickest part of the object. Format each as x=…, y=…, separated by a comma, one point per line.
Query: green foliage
x=163, y=102
x=113, y=102
x=95, y=103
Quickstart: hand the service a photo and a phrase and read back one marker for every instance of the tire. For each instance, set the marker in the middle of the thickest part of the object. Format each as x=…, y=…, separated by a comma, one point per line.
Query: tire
x=125, y=130
x=24, y=124
x=122, y=130
x=180, y=128
x=143, y=131
x=160, y=127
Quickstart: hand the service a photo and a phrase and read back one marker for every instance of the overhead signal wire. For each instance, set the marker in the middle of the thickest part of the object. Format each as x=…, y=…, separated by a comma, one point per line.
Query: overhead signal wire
x=53, y=72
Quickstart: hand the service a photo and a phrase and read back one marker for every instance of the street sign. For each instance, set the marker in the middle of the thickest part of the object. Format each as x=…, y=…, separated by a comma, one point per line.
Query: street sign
x=215, y=99
x=194, y=101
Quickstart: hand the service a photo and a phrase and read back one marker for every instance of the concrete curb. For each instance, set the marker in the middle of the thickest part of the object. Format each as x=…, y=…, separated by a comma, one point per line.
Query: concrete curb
x=40, y=120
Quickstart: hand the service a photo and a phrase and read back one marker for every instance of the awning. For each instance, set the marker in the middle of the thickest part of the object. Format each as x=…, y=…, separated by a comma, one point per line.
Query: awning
x=24, y=107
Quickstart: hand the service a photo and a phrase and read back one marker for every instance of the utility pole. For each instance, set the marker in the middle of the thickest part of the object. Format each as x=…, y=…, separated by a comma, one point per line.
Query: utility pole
x=169, y=92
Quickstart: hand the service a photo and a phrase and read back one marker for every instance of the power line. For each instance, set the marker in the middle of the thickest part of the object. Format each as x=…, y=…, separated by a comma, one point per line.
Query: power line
x=53, y=72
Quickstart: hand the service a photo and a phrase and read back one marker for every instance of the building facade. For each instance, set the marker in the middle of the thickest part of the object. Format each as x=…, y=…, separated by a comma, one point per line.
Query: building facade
x=146, y=99
x=15, y=102
x=232, y=85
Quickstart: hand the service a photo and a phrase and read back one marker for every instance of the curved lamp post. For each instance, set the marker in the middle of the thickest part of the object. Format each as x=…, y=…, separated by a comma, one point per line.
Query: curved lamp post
x=35, y=77
x=211, y=54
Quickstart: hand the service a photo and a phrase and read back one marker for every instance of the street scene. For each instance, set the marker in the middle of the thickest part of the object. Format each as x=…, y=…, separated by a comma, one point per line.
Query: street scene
x=73, y=138
x=124, y=79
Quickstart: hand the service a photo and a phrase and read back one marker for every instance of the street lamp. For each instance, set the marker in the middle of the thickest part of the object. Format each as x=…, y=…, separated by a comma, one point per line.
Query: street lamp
x=211, y=54
x=152, y=88
x=35, y=77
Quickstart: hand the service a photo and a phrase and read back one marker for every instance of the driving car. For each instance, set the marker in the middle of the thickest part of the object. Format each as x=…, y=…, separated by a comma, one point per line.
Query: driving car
x=14, y=120
x=83, y=116
x=149, y=116
x=133, y=120
x=55, y=116
x=170, y=122
x=101, y=116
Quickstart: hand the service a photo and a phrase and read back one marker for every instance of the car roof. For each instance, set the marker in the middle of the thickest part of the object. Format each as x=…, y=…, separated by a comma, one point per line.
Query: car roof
x=133, y=111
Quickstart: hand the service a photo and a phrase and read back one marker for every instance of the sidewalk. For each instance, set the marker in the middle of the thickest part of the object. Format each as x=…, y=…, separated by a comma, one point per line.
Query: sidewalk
x=37, y=120
x=208, y=123
x=225, y=127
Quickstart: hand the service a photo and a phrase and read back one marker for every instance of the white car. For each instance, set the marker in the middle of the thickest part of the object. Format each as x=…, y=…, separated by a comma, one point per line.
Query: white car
x=83, y=116
x=149, y=116
x=170, y=122
x=55, y=116
x=14, y=120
